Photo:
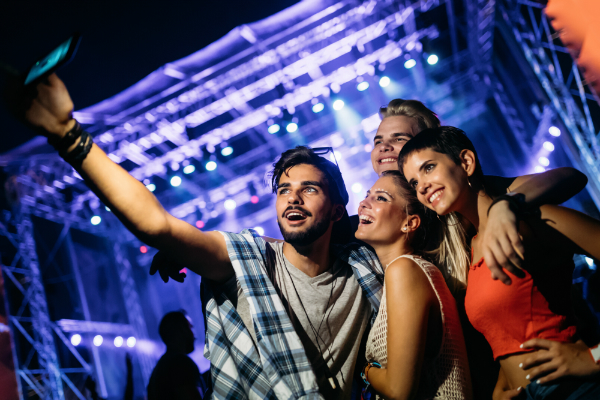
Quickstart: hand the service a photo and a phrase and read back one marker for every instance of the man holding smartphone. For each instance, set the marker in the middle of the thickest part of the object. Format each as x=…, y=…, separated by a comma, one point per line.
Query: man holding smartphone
x=284, y=319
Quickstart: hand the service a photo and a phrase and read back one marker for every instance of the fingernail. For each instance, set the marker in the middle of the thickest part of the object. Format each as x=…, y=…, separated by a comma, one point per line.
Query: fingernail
x=527, y=377
x=521, y=365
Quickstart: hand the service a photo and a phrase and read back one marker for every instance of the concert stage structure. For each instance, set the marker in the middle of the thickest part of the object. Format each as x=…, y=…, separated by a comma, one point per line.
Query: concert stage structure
x=202, y=132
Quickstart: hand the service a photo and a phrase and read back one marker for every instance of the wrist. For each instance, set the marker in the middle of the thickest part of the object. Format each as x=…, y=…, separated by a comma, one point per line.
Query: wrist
x=59, y=130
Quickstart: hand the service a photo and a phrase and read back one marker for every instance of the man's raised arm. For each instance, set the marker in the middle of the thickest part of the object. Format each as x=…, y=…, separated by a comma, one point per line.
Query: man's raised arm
x=135, y=206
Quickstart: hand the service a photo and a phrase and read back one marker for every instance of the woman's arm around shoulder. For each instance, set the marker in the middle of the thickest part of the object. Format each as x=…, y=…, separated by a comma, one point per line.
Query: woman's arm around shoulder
x=409, y=298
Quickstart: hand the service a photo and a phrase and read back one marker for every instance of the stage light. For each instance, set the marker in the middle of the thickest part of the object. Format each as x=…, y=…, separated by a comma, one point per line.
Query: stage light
x=589, y=261
x=335, y=87
x=368, y=147
x=98, y=339
x=338, y=105
x=364, y=85
x=539, y=169
x=118, y=341
x=384, y=81
x=259, y=230
x=131, y=341
x=273, y=128
x=143, y=249
x=357, y=187
x=214, y=214
x=175, y=181
x=227, y=151
x=76, y=339
x=317, y=108
x=544, y=161
x=188, y=169
x=174, y=166
x=432, y=59
x=291, y=127
x=151, y=187
x=95, y=220
x=199, y=224
x=554, y=131
x=548, y=146
x=107, y=209
x=211, y=166
x=254, y=199
x=229, y=204
x=410, y=63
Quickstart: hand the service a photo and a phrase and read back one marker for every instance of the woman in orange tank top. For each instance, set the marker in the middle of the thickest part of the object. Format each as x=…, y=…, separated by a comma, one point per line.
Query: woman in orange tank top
x=529, y=323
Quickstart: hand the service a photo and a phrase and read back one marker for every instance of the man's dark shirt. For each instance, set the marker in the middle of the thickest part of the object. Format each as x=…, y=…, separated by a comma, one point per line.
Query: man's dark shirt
x=174, y=373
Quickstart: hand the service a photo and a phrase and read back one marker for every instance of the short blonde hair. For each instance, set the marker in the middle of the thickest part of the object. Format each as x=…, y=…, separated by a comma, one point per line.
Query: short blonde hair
x=413, y=109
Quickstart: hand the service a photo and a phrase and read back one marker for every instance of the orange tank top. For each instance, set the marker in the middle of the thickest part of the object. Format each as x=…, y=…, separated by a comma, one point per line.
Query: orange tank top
x=531, y=307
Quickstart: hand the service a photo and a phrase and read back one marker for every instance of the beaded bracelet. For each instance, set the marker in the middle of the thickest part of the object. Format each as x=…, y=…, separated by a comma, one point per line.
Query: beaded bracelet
x=365, y=376
x=69, y=139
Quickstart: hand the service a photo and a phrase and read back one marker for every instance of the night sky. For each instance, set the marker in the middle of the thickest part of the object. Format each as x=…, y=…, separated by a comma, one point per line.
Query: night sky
x=122, y=41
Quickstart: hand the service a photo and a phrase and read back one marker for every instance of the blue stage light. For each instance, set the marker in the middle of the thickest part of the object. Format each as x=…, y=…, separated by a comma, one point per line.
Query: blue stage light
x=76, y=339
x=338, y=105
x=357, y=187
x=229, y=204
x=175, y=181
x=259, y=230
x=118, y=341
x=291, y=127
x=95, y=220
x=274, y=128
x=227, y=151
x=317, y=108
x=410, y=63
x=554, y=131
x=432, y=59
x=98, y=339
x=188, y=169
x=151, y=187
x=107, y=209
x=364, y=85
x=544, y=161
x=549, y=146
x=384, y=81
x=131, y=341
x=539, y=169
x=211, y=166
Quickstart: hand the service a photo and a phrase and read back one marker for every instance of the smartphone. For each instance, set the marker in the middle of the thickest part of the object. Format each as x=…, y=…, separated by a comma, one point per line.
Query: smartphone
x=51, y=62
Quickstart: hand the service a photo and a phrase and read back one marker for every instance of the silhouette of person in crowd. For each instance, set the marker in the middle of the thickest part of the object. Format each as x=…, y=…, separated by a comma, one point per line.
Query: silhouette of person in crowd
x=176, y=376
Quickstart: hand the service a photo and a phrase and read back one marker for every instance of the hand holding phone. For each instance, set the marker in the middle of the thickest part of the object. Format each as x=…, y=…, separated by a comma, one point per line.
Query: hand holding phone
x=58, y=57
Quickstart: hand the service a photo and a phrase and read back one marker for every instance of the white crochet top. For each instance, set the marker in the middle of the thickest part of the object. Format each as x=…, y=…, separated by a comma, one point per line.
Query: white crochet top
x=447, y=375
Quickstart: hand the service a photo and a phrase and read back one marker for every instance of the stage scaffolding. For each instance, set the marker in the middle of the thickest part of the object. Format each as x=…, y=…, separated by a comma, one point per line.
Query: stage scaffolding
x=268, y=68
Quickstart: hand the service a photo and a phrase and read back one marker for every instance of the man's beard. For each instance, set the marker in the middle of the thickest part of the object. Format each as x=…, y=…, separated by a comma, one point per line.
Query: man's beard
x=308, y=236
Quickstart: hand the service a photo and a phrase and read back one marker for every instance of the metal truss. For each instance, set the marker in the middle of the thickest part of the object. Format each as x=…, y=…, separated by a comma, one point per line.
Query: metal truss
x=480, y=37
x=38, y=371
x=563, y=86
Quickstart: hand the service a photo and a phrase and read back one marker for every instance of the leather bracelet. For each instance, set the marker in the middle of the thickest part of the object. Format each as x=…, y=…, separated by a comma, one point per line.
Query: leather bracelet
x=81, y=150
x=517, y=204
x=69, y=139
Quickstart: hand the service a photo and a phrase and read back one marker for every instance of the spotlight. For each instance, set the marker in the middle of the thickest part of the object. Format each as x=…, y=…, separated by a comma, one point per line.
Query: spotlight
x=174, y=166
x=98, y=340
x=227, y=151
x=118, y=341
x=230, y=204
x=259, y=230
x=384, y=81
x=588, y=260
x=95, y=220
x=544, y=161
x=175, y=181
x=273, y=128
x=107, y=209
x=76, y=339
x=151, y=187
x=291, y=127
x=357, y=187
x=432, y=59
x=143, y=249
x=539, y=169
x=548, y=146
x=410, y=63
x=214, y=214
x=131, y=341
x=364, y=85
x=254, y=199
x=211, y=166
x=188, y=169
x=317, y=108
x=199, y=224
x=338, y=105
x=554, y=131
x=335, y=87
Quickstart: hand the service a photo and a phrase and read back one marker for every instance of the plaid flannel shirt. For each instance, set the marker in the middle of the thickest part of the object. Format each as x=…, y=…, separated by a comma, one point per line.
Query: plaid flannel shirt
x=279, y=367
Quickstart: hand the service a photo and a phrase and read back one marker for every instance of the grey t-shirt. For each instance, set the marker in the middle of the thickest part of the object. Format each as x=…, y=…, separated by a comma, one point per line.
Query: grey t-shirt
x=338, y=310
